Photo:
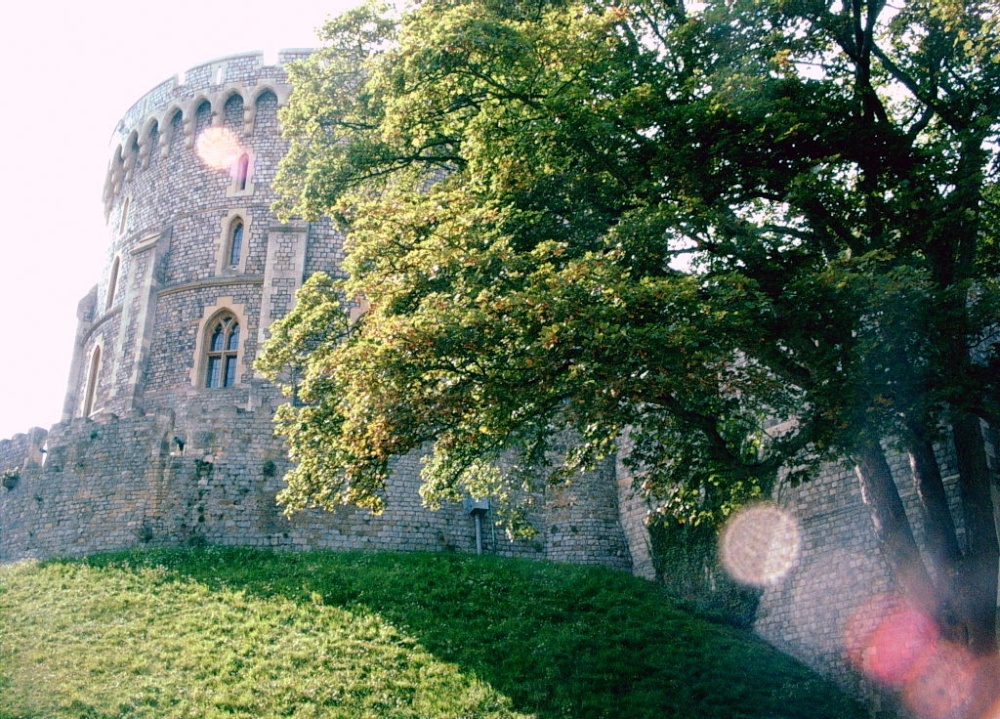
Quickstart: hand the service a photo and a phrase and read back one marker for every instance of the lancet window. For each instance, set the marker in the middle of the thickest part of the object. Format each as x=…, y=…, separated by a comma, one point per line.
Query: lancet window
x=235, y=246
x=223, y=349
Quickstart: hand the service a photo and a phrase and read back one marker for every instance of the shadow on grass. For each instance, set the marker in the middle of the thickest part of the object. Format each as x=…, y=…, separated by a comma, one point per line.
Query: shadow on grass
x=559, y=641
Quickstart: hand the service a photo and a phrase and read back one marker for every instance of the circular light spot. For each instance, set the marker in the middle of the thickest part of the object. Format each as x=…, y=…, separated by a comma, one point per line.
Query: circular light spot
x=901, y=639
x=760, y=544
x=940, y=683
x=218, y=148
x=862, y=625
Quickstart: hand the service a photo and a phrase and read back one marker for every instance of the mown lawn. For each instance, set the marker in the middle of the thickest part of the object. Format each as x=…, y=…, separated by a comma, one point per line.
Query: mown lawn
x=209, y=632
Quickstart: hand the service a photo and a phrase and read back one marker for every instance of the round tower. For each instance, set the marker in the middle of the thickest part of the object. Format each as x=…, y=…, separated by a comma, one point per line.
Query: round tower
x=167, y=436
x=198, y=266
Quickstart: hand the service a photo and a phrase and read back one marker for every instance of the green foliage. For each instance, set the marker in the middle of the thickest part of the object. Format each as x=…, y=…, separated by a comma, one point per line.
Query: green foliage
x=573, y=218
x=687, y=564
x=236, y=632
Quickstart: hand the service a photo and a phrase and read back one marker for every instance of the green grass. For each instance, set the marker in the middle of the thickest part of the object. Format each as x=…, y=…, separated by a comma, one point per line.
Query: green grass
x=214, y=632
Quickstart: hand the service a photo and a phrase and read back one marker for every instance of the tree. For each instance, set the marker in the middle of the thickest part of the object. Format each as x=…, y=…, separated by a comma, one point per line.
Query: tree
x=585, y=218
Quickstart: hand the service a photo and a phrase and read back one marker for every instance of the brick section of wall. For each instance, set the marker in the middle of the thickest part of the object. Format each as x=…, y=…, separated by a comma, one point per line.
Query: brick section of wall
x=840, y=567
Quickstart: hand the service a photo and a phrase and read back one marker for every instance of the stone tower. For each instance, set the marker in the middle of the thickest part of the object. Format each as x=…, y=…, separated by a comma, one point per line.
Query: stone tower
x=166, y=436
x=197, y=266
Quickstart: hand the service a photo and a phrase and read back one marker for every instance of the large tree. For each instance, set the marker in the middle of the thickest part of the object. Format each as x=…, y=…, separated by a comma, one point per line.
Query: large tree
x=596, y=220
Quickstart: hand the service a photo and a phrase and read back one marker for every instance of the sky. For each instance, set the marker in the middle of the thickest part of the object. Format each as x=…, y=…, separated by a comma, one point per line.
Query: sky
x=70, y=71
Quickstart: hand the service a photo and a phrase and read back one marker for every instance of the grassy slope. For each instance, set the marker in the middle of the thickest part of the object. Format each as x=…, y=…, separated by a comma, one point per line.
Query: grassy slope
x=234, y=632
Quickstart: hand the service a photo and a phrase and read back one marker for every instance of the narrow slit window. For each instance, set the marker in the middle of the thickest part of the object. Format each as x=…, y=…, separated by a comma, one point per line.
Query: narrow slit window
x=223, y=351
x=112, y=284
x=236, y=243
x=242, y=172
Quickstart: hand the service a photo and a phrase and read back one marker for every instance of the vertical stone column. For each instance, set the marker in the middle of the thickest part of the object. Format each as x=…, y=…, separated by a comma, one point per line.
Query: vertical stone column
x=283, y=273
x=85, y=312
x=138, y=317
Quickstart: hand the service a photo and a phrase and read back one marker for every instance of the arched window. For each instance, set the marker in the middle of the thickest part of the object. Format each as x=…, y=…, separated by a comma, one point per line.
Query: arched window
x=112, y=284
x=92, y=376
x=235, y=250
x=242, y=172
x=223, y=347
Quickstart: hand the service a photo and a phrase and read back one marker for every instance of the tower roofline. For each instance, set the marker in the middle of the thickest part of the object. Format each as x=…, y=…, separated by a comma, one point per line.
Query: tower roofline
x=199, y=78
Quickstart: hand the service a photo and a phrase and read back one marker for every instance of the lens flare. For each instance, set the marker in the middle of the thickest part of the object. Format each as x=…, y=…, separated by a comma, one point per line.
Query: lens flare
x=985, y=703
x=899, y=642
x=993, y=712
x=218, y=147
x=862, y=625
x=940, y=683
x=901, y=647
x=760, y=544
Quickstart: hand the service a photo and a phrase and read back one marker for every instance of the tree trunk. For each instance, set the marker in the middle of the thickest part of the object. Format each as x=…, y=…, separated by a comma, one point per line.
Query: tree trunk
x=892, y=528
x=942, y=539
x=978, y=578
x=942, y=548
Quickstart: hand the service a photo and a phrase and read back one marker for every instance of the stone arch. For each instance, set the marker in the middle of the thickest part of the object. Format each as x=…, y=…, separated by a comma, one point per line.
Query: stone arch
x=172, y=128
x=149, y=139
x=232, y=110
x=197, y=117
x=131, y=154
x=279, y=91
x=262, y=95
x=228, y=93
x=112, y=180
x=115, y=177
x=202, y=113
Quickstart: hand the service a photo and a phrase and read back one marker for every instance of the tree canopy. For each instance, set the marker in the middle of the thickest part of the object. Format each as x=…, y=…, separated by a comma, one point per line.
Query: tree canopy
x=663, y=226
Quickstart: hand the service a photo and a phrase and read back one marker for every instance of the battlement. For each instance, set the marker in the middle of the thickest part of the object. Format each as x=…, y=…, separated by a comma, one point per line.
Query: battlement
x=172, y=108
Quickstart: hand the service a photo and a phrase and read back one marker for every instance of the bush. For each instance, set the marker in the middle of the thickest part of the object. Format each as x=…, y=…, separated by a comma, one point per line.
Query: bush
x=687, y=565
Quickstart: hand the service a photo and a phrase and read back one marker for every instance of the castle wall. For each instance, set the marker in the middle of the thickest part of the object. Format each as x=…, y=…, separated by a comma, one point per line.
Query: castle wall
x=839, y=574
x=147, y=453
x=839, y=567
x=210, y=476
x=838, y=578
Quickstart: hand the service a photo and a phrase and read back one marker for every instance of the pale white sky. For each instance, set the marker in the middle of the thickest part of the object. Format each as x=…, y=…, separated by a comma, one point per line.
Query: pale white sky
x=70, y=69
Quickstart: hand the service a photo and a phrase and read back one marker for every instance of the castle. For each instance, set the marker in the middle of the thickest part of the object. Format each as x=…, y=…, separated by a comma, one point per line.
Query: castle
x=166, y=435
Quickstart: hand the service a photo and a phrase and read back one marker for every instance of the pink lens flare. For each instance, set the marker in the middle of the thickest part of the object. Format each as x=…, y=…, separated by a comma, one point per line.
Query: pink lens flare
x=940, y=682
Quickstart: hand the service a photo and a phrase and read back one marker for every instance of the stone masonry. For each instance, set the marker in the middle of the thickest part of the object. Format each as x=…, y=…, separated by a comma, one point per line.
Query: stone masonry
x=147, y=453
